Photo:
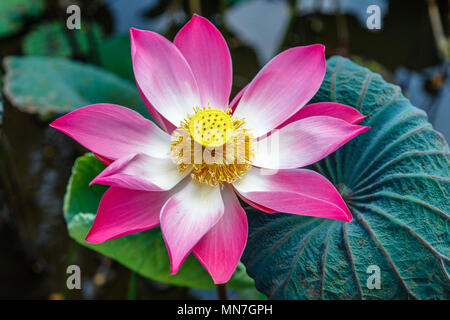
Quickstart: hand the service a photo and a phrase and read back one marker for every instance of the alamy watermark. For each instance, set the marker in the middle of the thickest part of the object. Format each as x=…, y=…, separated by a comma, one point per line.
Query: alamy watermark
x=373, y=22
x=74, y=20
x=374, y=279
x=74, y=279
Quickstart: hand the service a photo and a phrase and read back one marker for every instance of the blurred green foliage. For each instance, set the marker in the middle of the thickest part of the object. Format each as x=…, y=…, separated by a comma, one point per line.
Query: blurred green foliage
x=14, y=14
x=54, y=39
x=115, y=56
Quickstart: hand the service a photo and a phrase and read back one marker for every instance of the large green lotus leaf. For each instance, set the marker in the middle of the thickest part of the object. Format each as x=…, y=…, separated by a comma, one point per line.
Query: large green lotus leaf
x=13, y=14
x=54, y=39
x=144, y=252
x=56, y=85
x=395, y=180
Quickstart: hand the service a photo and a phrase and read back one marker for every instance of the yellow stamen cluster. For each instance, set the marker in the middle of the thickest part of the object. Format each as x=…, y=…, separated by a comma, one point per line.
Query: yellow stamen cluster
x=214, y=145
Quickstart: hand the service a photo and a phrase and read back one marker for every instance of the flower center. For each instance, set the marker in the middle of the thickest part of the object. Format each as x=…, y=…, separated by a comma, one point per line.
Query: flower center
x=211, y=127
x=214, y=145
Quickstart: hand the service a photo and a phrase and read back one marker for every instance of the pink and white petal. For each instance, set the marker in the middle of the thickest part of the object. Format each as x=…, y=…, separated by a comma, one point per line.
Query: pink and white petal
x=208, y=55
x=141, y=172
x=304, y=142
x=122, y=212
x=281, y=88
x=221, y=248
x=255, y=205
x=297, y=191
x=187, y=216
x=103, y=159
x=164, y=124
x=163, y=75
x=234, y=103
x=329, y=109
x=112, y=131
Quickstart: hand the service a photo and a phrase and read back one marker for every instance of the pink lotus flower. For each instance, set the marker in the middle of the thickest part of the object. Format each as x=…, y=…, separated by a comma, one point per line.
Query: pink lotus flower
x=187, y=83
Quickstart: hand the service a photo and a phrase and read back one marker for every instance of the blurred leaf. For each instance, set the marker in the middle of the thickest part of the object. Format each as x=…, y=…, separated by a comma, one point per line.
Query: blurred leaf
x=13, y=14
x=144, y=252
x=53, y=39
x=115, y=56
x=47, y=84
x=394, y=178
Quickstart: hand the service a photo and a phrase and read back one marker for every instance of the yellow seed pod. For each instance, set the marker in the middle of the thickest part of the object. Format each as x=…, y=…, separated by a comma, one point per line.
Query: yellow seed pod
x=211, y=127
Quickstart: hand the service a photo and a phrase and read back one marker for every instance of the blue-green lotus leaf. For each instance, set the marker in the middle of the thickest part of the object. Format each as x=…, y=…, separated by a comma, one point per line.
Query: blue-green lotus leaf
x=394, y=178
x=56, y=85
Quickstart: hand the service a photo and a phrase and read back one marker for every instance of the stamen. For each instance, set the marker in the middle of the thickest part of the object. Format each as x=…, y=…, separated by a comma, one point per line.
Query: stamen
x=214, y=145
